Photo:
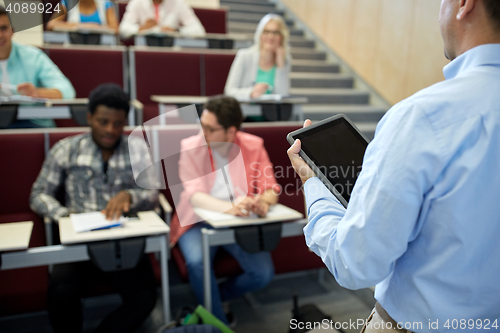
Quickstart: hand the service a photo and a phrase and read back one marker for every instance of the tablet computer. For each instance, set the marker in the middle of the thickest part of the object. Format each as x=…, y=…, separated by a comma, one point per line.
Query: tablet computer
x=334, y=149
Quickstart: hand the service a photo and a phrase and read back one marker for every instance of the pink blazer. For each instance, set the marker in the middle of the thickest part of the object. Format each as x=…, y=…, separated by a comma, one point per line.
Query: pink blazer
x=255, y=163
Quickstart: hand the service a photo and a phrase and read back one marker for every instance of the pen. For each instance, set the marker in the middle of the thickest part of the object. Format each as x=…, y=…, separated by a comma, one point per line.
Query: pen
x=107, y=226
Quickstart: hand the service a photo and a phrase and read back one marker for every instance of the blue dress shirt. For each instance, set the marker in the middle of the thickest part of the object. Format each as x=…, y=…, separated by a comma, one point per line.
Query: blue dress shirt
x=423, y=221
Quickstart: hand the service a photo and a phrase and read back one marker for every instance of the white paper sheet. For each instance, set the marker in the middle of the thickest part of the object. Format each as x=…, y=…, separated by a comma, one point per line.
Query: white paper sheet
x=91, y=221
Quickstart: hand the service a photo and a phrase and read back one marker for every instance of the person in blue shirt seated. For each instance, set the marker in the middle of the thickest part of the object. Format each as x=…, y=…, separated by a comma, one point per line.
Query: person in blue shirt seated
x=85, y=14
x=423, y=219
x=27, y=70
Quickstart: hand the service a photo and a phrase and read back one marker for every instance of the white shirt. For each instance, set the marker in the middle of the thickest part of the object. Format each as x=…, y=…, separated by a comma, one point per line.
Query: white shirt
x=5, y=91
x=175, y=14
x=220, y=188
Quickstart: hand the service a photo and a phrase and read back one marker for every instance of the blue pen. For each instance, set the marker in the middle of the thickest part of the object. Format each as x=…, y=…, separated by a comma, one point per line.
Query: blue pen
x=107, y=226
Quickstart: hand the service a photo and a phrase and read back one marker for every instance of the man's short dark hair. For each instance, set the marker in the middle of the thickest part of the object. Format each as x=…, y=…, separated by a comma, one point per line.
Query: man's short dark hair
x=493, y=9
x=226, y=109
x=110, y=95
x=3, y=11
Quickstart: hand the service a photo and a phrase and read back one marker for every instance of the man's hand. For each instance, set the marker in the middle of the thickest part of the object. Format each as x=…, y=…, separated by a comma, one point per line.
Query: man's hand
x=120, y=203
x=259, y=89
x=28, y=89
x=148, y=25
x=298, y=164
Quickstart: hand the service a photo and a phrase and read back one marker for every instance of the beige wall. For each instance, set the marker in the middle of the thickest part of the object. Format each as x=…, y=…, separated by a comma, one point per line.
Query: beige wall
x=395, y=45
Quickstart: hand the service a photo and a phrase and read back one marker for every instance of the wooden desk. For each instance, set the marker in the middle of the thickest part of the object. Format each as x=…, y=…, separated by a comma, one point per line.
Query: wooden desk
x=57, y=109
x=90, y=36
x=153, y=228
x=149, y=223
x=250, y=107
x=154, y=37
x=224, y=236
x=15, y=236
x=277, y=213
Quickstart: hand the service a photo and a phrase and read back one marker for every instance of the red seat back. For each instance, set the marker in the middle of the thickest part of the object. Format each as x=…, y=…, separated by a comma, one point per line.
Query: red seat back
x=87, y=67
x=217, y=68
x=213, y=20
x=23, y=290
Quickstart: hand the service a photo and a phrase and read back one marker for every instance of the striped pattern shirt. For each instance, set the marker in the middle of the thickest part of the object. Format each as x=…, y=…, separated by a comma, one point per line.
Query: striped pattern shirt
x=75, y=164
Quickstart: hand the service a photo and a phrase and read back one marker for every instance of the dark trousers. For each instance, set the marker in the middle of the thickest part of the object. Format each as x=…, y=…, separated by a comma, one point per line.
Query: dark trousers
x=69, y=282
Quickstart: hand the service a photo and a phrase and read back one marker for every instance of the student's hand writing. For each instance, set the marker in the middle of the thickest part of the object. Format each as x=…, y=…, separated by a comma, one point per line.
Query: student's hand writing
x=148, y=24
x=118, y=204
x=298, y=164
x=259, y=89
x=260, y=207
x=243, y=208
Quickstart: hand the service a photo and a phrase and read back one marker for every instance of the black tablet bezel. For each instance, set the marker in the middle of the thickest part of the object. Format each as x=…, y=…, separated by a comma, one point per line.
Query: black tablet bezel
x=326, y=122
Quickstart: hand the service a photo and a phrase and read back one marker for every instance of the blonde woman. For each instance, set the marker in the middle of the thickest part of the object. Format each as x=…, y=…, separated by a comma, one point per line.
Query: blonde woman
x=264, y=67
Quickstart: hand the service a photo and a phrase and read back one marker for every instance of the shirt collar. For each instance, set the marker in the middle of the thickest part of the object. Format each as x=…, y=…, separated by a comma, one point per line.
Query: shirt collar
x=482, y=55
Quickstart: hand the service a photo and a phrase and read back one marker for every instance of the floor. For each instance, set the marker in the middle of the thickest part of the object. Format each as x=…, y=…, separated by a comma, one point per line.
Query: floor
x=265, y=311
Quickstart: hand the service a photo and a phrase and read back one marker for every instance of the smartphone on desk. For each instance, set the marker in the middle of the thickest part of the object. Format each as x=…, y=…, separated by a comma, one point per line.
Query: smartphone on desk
x=131, y=216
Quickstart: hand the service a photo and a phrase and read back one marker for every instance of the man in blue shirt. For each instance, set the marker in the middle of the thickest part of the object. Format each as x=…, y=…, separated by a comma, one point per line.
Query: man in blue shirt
x=424, y=218
x=27, y=70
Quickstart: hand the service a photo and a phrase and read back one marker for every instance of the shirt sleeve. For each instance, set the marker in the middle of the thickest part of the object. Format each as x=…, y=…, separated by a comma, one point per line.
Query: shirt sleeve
x=190, y=24
x=144, y=193
x=108, y=5
x=360, y=245
x=51, y=77
x=235, y=77
x=50, y=179
x=130, y=22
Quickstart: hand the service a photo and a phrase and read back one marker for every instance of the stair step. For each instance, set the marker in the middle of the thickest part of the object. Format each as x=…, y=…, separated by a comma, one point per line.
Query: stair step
x=321, y=80
x=332, y=95
x=302, y=43
x=234, y=16
x=235, y=7
x=246, y=2
x=307, y=53
x=368, y=129
x=357, y=113
x=249, y=28
x=314, y=66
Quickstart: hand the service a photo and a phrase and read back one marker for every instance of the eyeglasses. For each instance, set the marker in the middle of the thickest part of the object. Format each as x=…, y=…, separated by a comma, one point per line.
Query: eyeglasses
x=272, y=32
x=209, y=129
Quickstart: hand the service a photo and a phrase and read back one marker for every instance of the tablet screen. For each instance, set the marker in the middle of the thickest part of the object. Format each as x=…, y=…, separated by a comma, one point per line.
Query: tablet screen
x=338, y=150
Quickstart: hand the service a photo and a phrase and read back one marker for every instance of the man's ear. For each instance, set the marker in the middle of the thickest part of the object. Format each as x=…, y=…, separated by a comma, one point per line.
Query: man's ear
x=232, y=131
x=89, y=118
x=466, y=6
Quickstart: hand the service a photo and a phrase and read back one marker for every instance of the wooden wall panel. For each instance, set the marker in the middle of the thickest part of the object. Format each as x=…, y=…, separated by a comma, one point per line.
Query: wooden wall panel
x=392, y=54
x=426, y=49
x=395, y=45
x=365, y=41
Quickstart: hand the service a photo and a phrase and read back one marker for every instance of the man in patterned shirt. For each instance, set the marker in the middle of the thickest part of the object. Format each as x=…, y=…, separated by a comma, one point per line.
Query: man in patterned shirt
x=95, y=170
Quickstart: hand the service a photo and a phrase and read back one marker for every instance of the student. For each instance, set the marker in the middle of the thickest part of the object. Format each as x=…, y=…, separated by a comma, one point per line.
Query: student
x=96, y=173
x=85, y=14
x=423, y=219
x=31, y=72
x=264, y=68
x=167, y=15
x=220, y=121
